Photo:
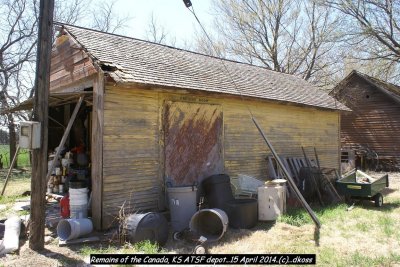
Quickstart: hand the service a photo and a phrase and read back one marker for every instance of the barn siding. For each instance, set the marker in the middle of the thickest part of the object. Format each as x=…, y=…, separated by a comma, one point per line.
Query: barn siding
x=130, y=151
x=133, y=140
x=374, y=122
x=71, y=67
x=287, y=127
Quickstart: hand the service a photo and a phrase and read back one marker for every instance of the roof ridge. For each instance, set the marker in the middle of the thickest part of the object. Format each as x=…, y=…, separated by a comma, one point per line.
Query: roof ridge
x=177, y=48
x=149, y=63
x=376, y=79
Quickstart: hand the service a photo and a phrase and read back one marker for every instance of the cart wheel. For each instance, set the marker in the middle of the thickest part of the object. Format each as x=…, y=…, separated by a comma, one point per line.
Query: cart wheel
x=378, y=200
x=177, y=236
x=200, y=249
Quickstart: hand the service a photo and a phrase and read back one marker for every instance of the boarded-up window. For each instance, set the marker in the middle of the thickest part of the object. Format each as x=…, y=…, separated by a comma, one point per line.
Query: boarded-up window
x=193, y=145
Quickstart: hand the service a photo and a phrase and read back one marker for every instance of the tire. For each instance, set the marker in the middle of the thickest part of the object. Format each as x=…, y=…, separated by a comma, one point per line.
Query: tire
x=200, y=249
x=378, y=198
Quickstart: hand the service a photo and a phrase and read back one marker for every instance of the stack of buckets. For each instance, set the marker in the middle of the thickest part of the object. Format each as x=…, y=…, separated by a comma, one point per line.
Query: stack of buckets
x=78, y=224
x=78, y=202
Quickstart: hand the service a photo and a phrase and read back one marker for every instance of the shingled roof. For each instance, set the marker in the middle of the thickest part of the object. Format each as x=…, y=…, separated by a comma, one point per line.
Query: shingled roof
x=137, y=61
x=389, y=89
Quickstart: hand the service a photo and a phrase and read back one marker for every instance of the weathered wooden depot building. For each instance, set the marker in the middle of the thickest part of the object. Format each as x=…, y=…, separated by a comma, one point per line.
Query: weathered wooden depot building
x=161, y=114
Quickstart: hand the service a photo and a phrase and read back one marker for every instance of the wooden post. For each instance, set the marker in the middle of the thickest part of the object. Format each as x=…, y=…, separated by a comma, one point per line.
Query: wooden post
x=97, y=150
x=40, y=114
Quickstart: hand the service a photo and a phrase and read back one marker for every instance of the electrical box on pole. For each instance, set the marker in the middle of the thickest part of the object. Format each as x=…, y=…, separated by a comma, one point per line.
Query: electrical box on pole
x=29, y=135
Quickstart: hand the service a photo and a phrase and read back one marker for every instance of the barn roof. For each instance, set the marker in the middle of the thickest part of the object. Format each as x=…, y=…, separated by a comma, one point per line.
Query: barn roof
x=389, y=89
x=131, y=60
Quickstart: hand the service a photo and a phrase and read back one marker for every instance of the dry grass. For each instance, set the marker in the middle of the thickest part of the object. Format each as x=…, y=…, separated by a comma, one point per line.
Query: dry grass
x=364, y=236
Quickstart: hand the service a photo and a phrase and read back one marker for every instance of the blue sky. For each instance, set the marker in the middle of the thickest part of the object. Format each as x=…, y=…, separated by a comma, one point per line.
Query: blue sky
x=171, y=14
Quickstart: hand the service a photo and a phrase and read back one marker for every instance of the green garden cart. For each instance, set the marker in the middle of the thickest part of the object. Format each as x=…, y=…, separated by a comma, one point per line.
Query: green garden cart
x=359, y=185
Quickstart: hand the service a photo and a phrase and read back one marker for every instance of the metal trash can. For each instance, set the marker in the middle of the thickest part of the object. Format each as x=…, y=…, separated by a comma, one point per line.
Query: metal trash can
x=182, y=206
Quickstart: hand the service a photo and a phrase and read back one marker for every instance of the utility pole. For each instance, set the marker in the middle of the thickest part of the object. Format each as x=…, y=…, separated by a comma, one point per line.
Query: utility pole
x=40, y=114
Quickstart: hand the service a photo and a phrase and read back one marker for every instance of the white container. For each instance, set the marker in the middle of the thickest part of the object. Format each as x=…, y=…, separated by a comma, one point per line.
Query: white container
x=58, y=171
x=73, y=228
x=11, y=234
x=65, y=162
x=61, y=188
x=78, y=202
x=78, y=211
x=271, y=202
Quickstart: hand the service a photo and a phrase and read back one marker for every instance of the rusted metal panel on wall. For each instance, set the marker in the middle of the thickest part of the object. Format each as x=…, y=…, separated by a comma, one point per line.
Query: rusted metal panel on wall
x=192, y=141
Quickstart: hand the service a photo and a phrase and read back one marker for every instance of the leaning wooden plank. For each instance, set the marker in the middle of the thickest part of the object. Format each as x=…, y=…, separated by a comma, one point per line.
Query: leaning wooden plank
x=290, y=180
x=64, y=138
x=308, y=162
x=91, y=239
x=330, y=183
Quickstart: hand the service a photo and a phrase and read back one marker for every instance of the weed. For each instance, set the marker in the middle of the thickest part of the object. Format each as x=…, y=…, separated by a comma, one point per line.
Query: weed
x=295, y=217
x=147, y=247
x=8, y=199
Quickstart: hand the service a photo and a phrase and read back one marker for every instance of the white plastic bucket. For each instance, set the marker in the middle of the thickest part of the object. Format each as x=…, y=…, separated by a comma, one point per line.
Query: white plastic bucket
x=73, y=228
x=78, y=211
x=78, y=203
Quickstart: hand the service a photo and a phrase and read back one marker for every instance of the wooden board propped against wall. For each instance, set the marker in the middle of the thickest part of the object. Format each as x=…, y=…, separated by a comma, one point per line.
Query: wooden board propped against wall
x=193, y=142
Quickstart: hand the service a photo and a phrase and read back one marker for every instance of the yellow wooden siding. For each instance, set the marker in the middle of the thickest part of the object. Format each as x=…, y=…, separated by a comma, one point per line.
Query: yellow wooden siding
x=133, y=140
x=130, y=152
x=287, y=127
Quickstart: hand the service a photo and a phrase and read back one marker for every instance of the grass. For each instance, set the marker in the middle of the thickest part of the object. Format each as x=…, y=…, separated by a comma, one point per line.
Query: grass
x=387, y=225
x=16, y=186
x=145, y=247
x=364, y=236
x=23, y=157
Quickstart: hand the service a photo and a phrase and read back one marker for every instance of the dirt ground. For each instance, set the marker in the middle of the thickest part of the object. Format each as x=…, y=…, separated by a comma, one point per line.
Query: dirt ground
x=344, y=234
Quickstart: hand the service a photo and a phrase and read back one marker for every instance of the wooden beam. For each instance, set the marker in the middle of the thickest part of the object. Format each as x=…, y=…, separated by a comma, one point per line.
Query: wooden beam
x=40, y=114
x=64, y=137
x=97, y=151
x=288, y=177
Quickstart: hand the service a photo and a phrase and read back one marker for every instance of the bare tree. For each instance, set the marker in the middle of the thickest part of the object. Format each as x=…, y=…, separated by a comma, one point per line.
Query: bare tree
x=155, y=33
x=17, y=50
x=289, y=36
x=71, y=11
x=106, y=19
x=372, y=33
